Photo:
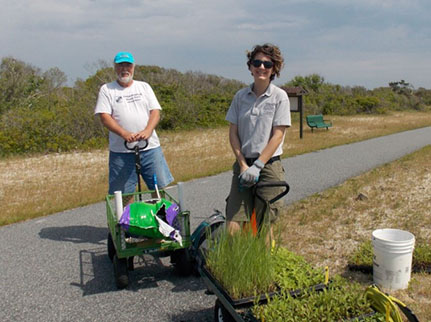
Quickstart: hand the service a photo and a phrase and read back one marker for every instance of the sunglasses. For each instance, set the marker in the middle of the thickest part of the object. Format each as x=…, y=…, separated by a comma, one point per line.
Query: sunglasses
x=266, y=63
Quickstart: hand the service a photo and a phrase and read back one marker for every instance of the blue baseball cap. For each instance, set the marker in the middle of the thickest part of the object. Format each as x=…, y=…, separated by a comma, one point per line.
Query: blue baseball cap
x=124, y=57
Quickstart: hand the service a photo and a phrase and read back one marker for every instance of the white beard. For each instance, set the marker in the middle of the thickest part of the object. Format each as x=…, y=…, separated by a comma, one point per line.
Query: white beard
x=125, y=79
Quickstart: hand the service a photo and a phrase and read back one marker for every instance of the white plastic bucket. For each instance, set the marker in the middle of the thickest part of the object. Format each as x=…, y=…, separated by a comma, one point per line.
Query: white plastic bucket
x=392, y=260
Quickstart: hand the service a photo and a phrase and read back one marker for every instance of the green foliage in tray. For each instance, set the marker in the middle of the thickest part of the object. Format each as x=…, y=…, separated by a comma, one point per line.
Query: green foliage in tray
x=342, y=300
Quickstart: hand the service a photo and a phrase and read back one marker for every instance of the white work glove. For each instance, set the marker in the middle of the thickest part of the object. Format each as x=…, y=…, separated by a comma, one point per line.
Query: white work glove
x=250, y=176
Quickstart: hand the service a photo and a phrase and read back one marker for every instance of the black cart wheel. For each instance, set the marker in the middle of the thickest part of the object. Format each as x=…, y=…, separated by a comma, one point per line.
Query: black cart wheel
x=111, y=247
x=221, y=314
x=121, y=273
x=182, y=261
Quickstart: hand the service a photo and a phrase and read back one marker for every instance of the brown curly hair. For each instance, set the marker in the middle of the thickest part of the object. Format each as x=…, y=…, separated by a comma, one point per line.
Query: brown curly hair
x=272, y=52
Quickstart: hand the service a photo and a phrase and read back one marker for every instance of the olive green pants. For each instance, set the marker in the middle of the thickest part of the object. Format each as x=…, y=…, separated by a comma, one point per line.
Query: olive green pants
x=240, y=202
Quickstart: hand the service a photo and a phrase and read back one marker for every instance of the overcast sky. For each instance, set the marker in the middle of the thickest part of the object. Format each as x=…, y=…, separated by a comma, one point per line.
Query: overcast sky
x=349, y=42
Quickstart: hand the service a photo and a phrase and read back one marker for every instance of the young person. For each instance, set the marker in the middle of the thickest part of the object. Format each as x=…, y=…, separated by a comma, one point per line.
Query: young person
x=259, y=116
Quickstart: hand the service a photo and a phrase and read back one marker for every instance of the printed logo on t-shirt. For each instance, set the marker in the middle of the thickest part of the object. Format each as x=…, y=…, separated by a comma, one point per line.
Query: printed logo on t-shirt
x=131, y=98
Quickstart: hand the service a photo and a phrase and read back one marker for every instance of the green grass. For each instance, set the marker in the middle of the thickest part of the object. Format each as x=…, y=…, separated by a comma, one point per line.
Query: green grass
x=245, y=266
x=242, y=264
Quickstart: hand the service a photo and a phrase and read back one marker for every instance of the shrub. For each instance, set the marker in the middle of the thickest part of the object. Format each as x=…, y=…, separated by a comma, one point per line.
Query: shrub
x=367, y=104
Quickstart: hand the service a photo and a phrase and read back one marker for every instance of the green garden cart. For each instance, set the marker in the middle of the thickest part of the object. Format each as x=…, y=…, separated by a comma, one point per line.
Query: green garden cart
x=124, y=244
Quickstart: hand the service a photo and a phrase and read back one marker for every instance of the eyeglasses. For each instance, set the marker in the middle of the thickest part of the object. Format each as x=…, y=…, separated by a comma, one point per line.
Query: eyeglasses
x=266, y=63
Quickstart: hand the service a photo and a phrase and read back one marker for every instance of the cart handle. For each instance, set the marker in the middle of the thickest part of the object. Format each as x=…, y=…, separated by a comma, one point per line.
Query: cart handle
x=137, y=145
x=273, y=184
x=137, y=148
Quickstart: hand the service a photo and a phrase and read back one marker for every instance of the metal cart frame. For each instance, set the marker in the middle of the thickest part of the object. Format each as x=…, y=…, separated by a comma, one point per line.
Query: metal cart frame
x=122, y=248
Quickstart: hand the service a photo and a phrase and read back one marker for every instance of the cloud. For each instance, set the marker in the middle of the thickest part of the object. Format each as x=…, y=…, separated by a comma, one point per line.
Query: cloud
x=368, y=70
x=329, y=36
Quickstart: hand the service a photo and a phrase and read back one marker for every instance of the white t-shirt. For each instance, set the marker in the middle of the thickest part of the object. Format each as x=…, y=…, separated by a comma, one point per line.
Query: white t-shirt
x=256, y=117
x=130, y=107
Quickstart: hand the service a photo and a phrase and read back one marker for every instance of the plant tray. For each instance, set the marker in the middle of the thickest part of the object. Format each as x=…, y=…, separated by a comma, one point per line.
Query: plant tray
x=249, y=301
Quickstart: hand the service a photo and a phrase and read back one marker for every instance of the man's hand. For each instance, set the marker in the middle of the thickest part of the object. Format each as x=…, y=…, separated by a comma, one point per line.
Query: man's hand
x=129, y=137
x=143, y=135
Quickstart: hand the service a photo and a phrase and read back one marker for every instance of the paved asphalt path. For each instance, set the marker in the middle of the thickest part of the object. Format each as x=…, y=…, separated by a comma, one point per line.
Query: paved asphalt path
x=56, y=268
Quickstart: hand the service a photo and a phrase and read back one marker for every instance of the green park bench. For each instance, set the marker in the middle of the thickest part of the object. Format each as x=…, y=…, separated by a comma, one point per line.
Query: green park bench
x=317, y=121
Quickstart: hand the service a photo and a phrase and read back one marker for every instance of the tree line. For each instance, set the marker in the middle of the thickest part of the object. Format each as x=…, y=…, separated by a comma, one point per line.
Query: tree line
x=327, y=98
x=40, y=114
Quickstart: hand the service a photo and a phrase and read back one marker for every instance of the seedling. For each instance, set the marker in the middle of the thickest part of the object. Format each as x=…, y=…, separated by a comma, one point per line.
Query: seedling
x=246, y=266
x=341, y=301
x=242, y=263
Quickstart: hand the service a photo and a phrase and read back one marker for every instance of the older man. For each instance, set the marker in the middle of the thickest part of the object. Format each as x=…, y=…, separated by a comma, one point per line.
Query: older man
x=131, y=112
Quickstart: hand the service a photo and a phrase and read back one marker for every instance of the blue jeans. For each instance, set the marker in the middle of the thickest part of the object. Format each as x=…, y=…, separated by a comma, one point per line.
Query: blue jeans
x=122, y=171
